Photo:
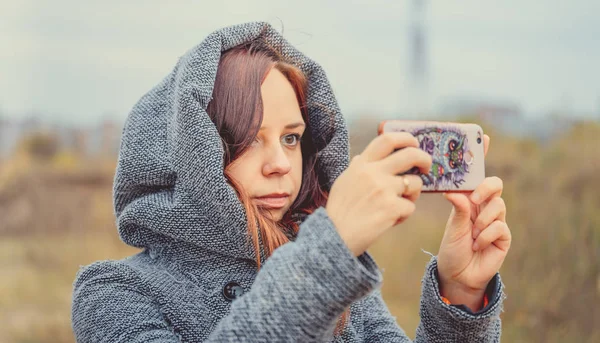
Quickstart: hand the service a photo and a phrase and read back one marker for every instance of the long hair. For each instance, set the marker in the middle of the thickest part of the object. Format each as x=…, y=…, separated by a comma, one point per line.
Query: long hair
x=237, y=112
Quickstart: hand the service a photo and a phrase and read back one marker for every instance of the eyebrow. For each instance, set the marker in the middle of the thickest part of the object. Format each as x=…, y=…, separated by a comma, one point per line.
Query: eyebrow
x=288, y=126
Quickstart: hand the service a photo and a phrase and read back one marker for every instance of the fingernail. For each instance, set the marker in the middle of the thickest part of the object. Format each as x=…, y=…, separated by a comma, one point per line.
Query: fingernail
x=475, y=246
x=475, y=197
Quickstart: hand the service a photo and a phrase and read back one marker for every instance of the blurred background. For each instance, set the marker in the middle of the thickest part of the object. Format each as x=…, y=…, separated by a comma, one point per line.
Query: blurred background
x=527, y=71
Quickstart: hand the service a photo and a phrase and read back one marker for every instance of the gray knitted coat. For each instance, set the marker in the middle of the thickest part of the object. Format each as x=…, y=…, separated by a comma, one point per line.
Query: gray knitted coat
x=195, y=279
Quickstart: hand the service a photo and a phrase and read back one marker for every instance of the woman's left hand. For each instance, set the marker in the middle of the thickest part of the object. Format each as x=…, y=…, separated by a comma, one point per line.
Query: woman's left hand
x=475, y=242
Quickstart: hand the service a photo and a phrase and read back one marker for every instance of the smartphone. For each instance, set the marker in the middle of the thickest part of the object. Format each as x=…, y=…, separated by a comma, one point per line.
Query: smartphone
x=456, y=149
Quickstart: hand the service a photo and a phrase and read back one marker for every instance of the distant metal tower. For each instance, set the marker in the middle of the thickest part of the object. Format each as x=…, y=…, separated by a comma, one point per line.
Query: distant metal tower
x=418, y=60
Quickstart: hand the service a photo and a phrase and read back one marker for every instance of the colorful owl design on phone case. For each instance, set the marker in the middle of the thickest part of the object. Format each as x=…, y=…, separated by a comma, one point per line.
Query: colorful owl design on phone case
x=456, y=150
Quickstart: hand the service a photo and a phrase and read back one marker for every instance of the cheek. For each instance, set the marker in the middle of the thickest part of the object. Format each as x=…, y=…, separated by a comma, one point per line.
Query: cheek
x=297, y=171
x=243, y=171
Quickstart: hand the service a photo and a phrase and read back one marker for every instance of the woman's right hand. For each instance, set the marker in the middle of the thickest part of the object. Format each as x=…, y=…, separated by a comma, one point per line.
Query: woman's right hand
x=370, y=197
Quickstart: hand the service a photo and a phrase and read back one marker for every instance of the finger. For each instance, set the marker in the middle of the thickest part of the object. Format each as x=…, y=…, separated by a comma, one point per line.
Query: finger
x=404, y=209
x=486, y=144
x=411, y=187
x=407, y=158
x=494, y=210
x=497, y=233
x=461, y=204
x=384, y=144
x=490, y=187
x=405, y=185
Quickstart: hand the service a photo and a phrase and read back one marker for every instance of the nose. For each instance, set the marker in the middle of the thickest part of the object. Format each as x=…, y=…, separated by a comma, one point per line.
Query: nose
x=276, y=161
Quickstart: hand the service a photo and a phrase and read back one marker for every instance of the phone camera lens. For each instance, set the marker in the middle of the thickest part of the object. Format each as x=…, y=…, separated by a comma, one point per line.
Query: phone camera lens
x=478, y=140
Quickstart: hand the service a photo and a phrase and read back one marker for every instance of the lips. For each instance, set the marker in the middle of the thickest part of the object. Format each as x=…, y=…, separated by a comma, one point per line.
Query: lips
x=272, y=201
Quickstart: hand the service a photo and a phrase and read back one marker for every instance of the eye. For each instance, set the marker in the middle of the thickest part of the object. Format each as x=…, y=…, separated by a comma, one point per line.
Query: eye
x=452, y=145
x=293, y=139
x=452, y=164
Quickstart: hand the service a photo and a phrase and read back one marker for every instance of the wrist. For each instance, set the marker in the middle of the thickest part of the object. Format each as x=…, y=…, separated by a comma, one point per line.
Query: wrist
x=352, y=245
x=456, y=294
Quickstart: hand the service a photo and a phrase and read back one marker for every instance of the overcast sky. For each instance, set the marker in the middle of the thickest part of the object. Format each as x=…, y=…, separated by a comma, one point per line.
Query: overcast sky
x=79, y=60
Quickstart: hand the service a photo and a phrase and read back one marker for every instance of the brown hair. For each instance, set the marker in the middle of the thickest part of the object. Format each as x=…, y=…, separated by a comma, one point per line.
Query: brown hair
x=236, y=110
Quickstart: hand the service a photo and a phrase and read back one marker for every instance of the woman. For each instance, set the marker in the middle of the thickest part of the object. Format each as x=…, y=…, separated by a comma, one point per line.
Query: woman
x=234, y=179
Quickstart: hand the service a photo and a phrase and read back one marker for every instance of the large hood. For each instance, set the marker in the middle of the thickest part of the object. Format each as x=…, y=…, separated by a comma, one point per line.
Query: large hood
x=169, y=184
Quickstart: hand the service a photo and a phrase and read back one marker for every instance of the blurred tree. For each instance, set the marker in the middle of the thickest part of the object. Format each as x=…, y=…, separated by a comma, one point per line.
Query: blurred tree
x=40, y=146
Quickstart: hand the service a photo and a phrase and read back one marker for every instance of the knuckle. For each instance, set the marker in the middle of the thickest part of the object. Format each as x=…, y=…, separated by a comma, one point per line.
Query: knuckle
x=409, y=137
x=406, y=136
x=500, y=225
x=427, y=159
x=398, y=139
x=486, y=235
x=412, y=153
x=504, y=227
x=487, y=239
x=407, y=207
x=420, y=157
x=387, y=139
x=478, y=223
x=494, y=202
x=501, y=203
x=418, y=182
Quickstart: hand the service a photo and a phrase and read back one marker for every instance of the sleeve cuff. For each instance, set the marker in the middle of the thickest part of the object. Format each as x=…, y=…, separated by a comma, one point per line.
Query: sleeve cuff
x=433, y=298
x=492, y=292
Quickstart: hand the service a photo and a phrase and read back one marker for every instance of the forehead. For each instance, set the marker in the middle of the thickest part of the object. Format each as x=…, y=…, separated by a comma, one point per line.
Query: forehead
x=280, y=104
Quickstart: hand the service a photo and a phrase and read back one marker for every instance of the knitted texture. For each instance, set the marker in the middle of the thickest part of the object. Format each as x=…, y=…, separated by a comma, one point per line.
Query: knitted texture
x=172, y=200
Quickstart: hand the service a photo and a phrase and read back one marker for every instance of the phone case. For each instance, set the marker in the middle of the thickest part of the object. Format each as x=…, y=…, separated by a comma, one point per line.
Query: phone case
x=457, y=152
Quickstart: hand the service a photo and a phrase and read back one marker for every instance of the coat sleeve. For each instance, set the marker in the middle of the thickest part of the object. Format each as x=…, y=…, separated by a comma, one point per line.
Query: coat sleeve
x=439, y=322
x=297, y=296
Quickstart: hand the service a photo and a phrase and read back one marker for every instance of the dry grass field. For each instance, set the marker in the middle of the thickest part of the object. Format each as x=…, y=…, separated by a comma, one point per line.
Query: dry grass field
x=56, y=214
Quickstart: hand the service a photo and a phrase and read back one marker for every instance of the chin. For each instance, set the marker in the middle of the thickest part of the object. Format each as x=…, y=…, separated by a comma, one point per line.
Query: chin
x=275, y=211
x=277, y=214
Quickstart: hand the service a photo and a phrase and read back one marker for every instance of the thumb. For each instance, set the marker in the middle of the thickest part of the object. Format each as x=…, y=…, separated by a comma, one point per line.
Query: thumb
x=462, y=206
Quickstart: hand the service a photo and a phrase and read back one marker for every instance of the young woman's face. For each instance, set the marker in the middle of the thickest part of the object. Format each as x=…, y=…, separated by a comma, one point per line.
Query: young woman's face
x=271, y=169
